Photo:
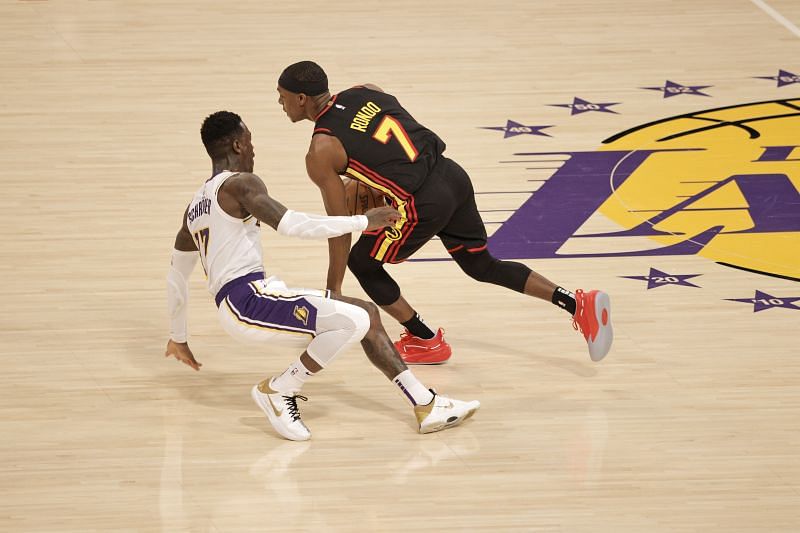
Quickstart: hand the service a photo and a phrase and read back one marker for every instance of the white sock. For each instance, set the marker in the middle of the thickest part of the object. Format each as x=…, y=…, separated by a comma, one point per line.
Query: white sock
x=414, y=391
x=292, y=379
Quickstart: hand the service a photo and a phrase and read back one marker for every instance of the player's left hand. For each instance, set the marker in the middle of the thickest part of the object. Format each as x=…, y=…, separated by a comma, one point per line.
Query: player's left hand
x=182, y=352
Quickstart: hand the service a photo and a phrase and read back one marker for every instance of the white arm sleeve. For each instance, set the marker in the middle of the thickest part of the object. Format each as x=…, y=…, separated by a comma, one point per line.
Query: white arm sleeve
x=178, y=292
x=305, y=226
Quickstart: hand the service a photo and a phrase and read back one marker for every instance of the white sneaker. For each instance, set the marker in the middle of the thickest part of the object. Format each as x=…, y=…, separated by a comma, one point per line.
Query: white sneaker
x=281, y=410
x=443, y=413
x=593, y=319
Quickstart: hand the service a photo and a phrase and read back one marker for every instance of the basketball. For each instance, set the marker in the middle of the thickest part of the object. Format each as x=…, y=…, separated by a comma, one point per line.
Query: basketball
x=360, y=198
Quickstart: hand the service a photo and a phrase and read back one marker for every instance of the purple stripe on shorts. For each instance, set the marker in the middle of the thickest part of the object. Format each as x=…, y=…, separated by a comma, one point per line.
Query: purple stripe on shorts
x=274, y=312
x=228, y=287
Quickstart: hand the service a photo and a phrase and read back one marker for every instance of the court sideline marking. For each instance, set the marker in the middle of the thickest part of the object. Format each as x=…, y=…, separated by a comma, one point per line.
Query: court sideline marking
x=772, y=12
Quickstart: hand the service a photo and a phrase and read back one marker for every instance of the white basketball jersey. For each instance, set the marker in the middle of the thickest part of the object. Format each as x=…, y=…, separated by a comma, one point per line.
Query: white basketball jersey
x=229, y=247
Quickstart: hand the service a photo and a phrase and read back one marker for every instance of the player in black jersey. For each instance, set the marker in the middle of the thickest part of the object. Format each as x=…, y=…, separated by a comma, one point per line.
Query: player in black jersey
x=365, y=134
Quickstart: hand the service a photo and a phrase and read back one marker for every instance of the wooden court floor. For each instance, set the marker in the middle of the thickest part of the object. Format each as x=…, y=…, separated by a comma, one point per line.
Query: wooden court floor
x=692, y=422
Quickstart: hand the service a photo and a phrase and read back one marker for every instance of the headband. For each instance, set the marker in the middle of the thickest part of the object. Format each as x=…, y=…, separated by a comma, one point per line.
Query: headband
x=311, y=88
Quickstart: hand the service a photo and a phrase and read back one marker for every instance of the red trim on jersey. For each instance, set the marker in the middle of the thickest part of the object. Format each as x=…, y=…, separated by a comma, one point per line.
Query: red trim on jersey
x=392, y=186
x=322, y=130
x=326, y=108
x=377, y=246
x=478, y=249
x=454, y=250
x=411, y=221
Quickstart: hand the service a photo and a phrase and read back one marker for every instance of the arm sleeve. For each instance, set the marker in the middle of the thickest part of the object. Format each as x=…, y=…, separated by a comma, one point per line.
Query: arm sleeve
x=305, y=226
x=178, y=292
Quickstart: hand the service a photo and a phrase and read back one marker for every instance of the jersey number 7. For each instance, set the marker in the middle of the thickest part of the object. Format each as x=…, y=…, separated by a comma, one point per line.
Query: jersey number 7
x=390, y=127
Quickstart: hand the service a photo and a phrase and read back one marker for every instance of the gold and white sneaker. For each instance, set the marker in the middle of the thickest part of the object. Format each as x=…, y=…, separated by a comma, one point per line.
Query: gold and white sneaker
x=281, y=410
x=443, y=413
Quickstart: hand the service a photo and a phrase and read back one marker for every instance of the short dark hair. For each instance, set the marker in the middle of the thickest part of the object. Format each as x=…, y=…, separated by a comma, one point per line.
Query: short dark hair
x=218, y=130
x=304, y=77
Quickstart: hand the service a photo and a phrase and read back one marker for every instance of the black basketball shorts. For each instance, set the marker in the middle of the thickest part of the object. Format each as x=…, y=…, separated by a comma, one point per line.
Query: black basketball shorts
x=444, y=206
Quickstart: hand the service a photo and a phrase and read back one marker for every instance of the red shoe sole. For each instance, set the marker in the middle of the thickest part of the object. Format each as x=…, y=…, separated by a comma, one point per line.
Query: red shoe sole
x=427, y=360
x=434, y=358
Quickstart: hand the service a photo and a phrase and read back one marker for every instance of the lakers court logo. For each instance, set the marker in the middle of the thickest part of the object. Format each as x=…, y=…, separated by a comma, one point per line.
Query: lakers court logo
x=722, y=183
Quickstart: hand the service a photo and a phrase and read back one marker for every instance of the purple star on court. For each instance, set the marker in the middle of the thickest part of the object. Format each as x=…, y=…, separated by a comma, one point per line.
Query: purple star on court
x=579, y=105
x=513, y=129
x=674, y=89
x=762, y=301
x=657, y=278
x=783, y=78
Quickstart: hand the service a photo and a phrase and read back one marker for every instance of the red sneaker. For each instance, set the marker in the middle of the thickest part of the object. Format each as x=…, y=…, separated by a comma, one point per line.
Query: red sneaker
x=593, y=318
x=416, y=351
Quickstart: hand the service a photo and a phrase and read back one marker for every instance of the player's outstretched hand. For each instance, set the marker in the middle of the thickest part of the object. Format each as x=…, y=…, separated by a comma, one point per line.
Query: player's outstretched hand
x=380, y=217
x=181, y=352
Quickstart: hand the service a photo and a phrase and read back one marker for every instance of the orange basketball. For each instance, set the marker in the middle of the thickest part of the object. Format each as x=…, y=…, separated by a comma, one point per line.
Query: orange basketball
x=360, y=198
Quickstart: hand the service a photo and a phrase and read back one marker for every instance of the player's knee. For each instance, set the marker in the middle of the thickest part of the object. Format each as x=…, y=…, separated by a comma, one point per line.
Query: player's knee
x=372, y=310
x=480, y=266
x=361, y=323
x=361, y=265
x=352, y=323
x=484, y=267
x=374, y=279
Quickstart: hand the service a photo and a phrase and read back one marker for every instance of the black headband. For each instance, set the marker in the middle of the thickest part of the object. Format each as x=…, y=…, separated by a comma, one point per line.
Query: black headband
x=311, y=88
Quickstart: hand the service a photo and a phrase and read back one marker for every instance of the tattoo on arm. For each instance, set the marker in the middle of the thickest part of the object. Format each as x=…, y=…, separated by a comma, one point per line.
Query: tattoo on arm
x=251, y=192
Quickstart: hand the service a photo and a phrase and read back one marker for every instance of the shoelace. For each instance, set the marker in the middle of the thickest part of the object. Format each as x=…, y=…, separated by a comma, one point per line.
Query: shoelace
x=576, y=324
x=407, y=334
x=291, y=406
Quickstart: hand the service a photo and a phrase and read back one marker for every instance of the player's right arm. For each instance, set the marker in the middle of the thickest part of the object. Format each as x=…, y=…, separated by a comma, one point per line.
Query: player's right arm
x=184, y=258
x=246, y=194
x=325, y=161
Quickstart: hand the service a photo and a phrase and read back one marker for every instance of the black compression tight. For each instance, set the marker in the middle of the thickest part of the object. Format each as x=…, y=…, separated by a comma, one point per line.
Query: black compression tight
x=376, y=282
x=484, y=267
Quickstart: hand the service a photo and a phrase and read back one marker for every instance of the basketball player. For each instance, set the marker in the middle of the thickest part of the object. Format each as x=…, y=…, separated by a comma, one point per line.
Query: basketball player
x=223, y=222
x=367, y=135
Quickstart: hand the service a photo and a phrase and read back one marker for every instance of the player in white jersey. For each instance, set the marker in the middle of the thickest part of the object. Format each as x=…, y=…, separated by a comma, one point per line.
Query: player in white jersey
x=222, y=223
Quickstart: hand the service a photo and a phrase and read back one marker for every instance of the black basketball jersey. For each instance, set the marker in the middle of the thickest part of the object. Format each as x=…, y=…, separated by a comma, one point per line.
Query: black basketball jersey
x=386, y=147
